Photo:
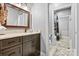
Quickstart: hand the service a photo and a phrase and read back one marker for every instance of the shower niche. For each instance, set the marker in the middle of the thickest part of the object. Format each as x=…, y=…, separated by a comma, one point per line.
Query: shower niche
x=62, y=17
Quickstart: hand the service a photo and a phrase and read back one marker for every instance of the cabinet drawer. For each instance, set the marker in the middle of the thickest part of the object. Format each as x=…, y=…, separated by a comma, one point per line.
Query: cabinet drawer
x=31, y=37
x=35, y=36
x=10, y=42
x=14, y=51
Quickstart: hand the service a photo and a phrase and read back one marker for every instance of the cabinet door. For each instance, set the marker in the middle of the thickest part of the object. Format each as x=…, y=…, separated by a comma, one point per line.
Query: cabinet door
x=27, y=48
x=14, y=51
x=31, y=45
x=36, y=43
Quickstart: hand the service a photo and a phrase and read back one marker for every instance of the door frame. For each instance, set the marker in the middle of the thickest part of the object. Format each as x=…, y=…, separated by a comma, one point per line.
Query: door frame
x=74, y=22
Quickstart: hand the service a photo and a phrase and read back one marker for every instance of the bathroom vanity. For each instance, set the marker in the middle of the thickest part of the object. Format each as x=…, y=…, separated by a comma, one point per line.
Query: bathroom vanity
x=20, y=44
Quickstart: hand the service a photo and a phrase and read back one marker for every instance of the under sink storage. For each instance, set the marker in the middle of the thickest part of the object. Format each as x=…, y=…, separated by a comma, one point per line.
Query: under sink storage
x=26, y=45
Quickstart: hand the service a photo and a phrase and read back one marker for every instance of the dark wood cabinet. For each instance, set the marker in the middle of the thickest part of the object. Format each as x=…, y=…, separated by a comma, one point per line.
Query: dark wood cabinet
x=14, y=51
x=31, y=45
x=6, y=43
x=27, y=48
x=36, y=44
x=11, y=47
x=28, y=45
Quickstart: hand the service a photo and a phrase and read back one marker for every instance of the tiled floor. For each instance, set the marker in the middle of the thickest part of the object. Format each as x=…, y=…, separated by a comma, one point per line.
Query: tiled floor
x=62, y=48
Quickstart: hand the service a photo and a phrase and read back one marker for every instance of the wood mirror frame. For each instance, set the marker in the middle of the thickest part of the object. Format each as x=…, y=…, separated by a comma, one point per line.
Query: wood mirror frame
x=6, y=11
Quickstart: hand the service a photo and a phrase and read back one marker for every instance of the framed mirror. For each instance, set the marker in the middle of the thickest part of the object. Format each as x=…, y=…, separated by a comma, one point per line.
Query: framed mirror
x=17, y=17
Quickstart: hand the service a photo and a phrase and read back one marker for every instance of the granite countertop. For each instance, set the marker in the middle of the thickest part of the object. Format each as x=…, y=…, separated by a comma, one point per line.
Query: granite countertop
x=11, y=35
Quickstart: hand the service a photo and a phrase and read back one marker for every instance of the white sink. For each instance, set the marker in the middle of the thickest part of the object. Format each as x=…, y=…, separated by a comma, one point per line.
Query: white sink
x=2, y=30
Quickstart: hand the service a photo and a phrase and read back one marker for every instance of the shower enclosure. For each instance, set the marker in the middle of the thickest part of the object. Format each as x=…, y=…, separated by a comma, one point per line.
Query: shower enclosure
x=64, y=27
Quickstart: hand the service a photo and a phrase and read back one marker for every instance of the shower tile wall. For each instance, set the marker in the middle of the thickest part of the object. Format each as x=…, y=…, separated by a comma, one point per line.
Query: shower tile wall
x=50, y=23
x=51, y=20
